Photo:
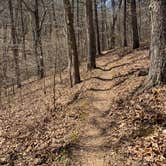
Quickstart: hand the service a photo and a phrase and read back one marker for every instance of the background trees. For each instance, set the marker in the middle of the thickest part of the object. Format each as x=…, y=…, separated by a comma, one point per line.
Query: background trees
x=46, y=47
x=34, y=33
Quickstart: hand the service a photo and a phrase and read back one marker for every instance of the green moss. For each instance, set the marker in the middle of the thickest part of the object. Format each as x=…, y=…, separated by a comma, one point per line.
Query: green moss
x=74, y=137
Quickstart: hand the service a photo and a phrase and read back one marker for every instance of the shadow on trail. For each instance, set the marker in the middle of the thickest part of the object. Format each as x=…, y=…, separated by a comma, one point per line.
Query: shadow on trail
x=118, y=79
x=133, y=59
x=120, y=55
x=114, y=67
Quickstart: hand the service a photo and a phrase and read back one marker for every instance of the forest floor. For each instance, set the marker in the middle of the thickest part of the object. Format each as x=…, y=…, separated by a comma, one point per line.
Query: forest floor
x=100, y=122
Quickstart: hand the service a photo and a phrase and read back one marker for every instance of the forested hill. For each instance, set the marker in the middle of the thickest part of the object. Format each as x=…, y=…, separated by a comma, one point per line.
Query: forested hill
x=82, y=83
x=97, y=122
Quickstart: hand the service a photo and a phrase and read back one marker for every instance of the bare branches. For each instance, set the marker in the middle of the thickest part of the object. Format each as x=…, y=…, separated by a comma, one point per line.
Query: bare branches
x=42, y=20
x=27, y=6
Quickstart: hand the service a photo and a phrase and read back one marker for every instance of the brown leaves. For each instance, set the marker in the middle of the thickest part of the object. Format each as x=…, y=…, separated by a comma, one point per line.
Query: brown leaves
x=134, y=133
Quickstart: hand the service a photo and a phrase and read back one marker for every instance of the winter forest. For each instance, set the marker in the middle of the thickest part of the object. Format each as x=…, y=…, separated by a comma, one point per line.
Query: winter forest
x=83, y=82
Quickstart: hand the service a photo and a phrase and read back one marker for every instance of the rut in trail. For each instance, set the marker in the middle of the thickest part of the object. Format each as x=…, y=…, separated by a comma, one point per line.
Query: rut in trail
x=110, y=80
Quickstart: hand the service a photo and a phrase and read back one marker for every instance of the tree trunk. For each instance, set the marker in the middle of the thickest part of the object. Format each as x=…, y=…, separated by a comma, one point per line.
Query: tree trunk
x=134, y=25
x=23, y=37
x=72, y=45
x=5, y=60
x=78, y=26
x=38, y=42
x=14, y=45
x=91, y=64
x=113, y=25
x=97, y=28
x=157, y=72
x=114, y=20
x=124, y=24
x=103, y=24
x=140, y=21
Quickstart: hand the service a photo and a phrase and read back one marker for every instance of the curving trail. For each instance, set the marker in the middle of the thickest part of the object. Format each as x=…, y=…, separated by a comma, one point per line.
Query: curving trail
x=113, y=79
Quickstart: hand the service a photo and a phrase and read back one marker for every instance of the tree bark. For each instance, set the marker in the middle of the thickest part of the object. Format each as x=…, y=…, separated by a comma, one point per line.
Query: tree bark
x=38, y=42
x=97, y=28
x=91, y=64
x=134, y=25
x=157, y=72
x=113, y=25
x=114, y=20
x=124, y=24
x=5, y=60
x=14, y=44
x=72, y=45
x=103, y=24
x=23, y=36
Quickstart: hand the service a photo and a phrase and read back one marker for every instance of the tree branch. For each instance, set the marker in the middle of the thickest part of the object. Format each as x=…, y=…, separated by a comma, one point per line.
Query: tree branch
x=28, y=7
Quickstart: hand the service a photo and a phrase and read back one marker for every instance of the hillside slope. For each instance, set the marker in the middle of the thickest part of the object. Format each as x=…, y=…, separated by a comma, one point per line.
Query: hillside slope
x=99, y=122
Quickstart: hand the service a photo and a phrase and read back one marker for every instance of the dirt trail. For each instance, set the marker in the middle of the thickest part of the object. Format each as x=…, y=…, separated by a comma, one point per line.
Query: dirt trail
x=92, y=149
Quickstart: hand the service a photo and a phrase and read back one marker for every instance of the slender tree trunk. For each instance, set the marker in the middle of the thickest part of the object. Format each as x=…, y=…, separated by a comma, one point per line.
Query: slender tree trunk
x=140, y=21
x=78, y=26
x=53, y=12
x=103, y=24
x=114, y=20
x=134, y=25
x=97, y=28
x=5, y=56
x=23, y=37
x=91, y=64
x=38, y=42
x=73, y=10
x=113, y=25
x=157, y=72
x=124, y=24
x=73, y=53
x=4, y=68
x=15, y=45
x=50, y=24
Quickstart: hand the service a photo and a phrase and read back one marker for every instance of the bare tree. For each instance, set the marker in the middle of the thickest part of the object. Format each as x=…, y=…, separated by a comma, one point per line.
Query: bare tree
x=124, y=24
x=23, y=35
x=103, y=24
x=91, y=64
x=14, y=44
x=157, y=72
x=37, y=24
x=114, y=20
x=72, y=45
x=134, y=24
x=97, y=28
